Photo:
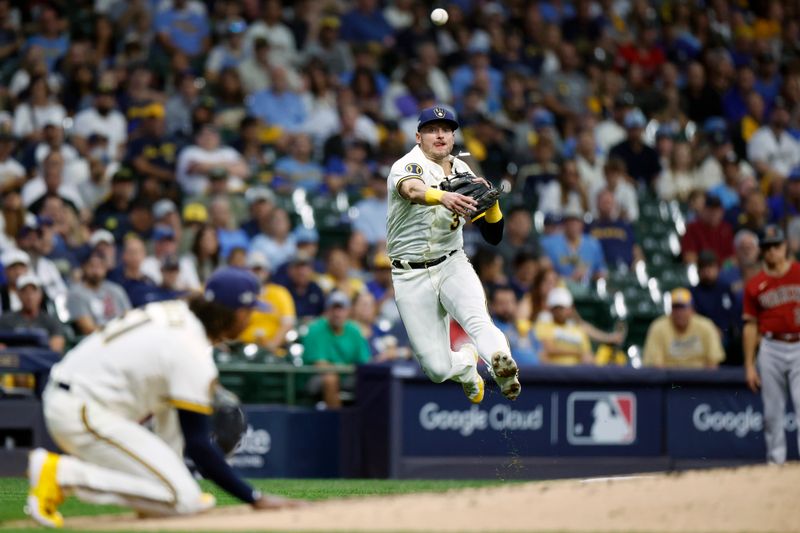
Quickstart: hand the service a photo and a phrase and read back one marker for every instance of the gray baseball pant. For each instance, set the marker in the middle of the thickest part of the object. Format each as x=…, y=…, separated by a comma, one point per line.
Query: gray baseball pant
x=779, y=368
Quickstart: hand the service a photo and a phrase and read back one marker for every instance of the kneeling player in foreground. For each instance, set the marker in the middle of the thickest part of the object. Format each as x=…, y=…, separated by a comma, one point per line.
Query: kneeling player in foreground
x=157, y=362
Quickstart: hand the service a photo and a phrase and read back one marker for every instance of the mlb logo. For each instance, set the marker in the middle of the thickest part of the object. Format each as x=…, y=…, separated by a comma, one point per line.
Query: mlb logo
x=601, y=418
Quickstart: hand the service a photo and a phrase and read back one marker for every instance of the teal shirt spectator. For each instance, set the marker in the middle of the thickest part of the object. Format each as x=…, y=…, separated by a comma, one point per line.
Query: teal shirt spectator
x=186, y=29
x=321, y=343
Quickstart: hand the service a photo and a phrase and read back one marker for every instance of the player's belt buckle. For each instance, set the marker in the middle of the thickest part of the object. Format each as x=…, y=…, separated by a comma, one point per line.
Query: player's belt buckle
x=783, y=337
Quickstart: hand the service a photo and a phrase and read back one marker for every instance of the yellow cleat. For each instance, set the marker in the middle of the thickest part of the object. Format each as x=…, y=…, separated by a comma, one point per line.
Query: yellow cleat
x=474, y=389
x=44, y=495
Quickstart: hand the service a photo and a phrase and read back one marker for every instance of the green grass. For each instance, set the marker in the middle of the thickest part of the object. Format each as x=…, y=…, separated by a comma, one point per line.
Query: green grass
x=13, y=491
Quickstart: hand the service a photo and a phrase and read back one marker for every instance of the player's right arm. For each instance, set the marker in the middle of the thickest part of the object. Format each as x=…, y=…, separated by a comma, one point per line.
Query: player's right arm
x=416, y=191
x=210, y=461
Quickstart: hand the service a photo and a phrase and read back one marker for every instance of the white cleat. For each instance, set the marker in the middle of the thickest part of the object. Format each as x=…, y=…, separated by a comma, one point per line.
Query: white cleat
x=44, y=495
x=506, y=375
x=474, y=389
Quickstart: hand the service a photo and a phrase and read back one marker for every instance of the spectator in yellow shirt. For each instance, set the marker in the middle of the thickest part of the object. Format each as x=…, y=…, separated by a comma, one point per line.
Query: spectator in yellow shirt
x=268, y=328
x=682, y=339
x=564, y=342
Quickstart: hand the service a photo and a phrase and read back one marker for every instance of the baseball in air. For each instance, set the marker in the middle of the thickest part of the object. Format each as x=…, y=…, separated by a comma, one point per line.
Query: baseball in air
x=439, y=16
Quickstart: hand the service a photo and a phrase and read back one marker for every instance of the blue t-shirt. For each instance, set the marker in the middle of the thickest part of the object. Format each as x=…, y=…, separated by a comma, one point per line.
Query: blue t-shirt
x=524, y=348
x=140, y=291
x=360, y=27
x=565, y=260
x=230, y=239
x=286, y=110
x=53, y=49
x=309, y=304
x=186, y=29
x=616, y=239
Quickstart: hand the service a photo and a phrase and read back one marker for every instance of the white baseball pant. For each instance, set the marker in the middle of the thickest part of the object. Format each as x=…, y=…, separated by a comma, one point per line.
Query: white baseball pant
x=427, y=298
x=779, y=369
x=113, y=460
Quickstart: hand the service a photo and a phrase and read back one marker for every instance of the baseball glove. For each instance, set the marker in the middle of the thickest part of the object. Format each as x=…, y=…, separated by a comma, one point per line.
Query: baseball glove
x=466, y=183
x=228, y=423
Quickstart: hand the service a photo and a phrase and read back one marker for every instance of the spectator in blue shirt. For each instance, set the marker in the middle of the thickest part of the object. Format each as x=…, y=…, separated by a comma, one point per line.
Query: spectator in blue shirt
x=228, y=235
x=183, y=29
x=365, y=23
x=309, y=300
x=373, y=211
x=464, y=77
x=614, y=234
x=140, y=289
x=712, y=298
x=521, y=339
x=299, y=167
x=50, y=39
x=278, y=105
x=573, y=254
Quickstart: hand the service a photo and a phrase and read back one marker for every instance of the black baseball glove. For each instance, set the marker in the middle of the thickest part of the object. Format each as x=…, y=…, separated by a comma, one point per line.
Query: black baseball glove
x=228, y=423
x=467, y=184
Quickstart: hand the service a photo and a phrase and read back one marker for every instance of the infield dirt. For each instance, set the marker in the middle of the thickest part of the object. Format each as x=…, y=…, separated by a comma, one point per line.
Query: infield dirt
x=758, y=498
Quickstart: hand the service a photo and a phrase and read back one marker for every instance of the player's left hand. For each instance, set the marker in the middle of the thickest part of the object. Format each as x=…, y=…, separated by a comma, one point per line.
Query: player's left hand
x=274, y=503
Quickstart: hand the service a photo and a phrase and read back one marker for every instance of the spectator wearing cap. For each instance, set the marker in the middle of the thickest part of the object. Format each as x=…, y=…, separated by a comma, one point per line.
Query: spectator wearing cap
x=709, y=232
x=615, y=234
x=171, y=286
x=682, y=338
x=112, y=214
x=574, y=254
x=140, y=289
x=165, y=246
x=260, y=203
x=566, y=193
x=713, y=299
x=37, y=109
x=268, y=328
x=182, y=28
x=735, y=174
x=152, y=154
x=503, y=306
x=641, y=161
x=380, y=279
x=29, y=240
x=298, y=166
x=15, y=264
x=228, y=53
x=331, y=50
x=165, y=212
x=309, y=298
x=772, y=150
x=102, y=119
x=279, y=105
x=373, y=211
x=228, y=234
x=93, y=301
x=31, y=317
x=563, y=342
x=207, y=153
x=203, y=257
x=102, y=242
x=334, y=340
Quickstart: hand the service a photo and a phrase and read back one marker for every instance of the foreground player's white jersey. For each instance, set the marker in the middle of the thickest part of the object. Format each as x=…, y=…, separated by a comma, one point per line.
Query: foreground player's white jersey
x=147, y=361
x=419, y=232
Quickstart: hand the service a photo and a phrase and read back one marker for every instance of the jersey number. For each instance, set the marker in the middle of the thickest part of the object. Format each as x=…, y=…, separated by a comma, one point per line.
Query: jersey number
x=454, y=224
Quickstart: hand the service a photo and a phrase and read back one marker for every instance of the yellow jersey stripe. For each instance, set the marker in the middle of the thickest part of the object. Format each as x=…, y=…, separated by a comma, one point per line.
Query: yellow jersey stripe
x=191, y=406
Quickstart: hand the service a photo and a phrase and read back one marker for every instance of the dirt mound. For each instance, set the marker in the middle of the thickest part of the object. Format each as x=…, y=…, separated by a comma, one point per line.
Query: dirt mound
x=760, y=498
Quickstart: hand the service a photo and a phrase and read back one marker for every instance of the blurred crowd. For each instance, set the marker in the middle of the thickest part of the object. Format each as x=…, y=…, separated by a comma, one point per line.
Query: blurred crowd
x=144, y=143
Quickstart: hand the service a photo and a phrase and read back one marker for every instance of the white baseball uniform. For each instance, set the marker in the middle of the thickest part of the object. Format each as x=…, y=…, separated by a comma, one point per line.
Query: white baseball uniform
x=428, y=297
x=141, y=365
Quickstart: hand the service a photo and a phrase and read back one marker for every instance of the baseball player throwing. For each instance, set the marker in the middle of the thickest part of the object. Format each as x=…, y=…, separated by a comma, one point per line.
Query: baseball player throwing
x=154, y=361
x=433, y=279
x=772, y=310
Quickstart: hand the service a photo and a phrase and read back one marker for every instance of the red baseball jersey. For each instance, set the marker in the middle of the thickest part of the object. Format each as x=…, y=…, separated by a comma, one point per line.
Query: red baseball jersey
x=774, y=301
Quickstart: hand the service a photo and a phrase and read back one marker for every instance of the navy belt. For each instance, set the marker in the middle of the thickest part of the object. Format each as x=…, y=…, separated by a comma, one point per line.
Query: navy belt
x=421, y=264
